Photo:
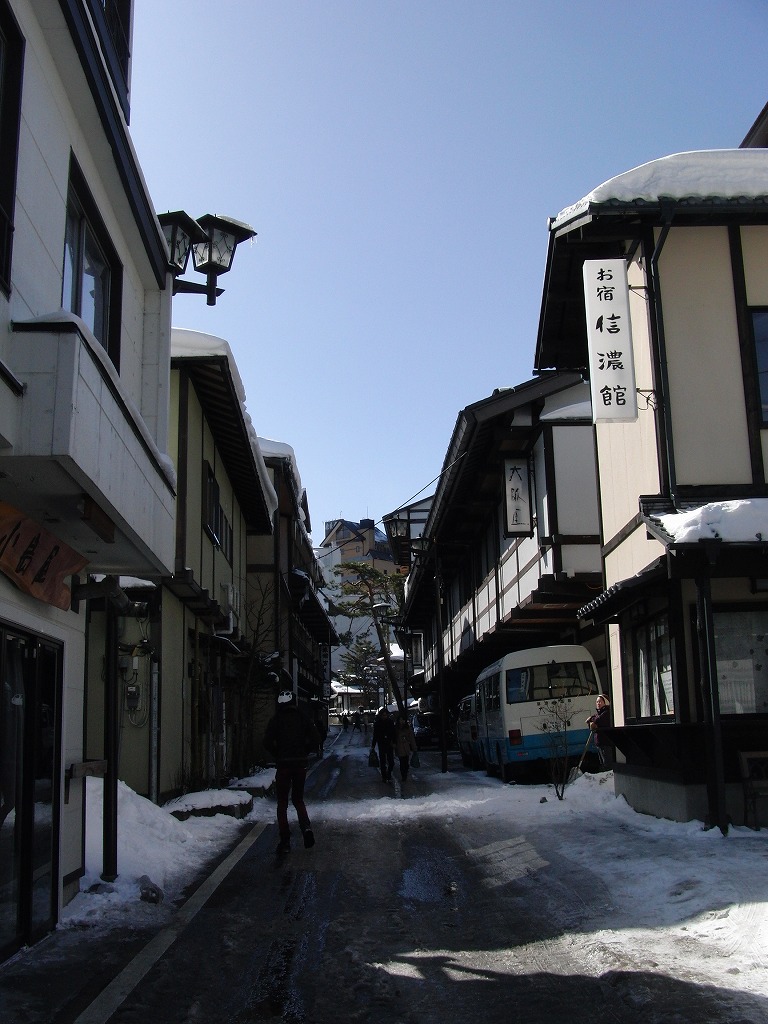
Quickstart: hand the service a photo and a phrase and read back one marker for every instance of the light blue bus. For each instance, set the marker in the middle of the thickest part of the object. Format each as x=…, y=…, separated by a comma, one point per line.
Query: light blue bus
x=532, y=705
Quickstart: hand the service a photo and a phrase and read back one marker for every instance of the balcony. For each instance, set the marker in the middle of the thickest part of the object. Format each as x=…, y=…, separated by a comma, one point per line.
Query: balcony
x=77, y=456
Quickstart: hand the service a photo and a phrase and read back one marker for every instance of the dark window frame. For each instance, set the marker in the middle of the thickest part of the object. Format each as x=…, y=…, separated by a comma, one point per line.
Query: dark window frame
x=760, y=342
x=84, y=226
x=11, y=75
x=640, y=627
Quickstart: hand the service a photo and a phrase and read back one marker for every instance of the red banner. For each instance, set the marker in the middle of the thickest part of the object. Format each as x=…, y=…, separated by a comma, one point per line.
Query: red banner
x=35, y=559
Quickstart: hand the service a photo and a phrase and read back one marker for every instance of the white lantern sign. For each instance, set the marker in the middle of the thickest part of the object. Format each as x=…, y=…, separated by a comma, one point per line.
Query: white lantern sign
x=609, y=338
x=517, y=494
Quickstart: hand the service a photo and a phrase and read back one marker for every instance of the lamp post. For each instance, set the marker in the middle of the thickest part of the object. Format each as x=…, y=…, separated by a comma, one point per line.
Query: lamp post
x=212, y=240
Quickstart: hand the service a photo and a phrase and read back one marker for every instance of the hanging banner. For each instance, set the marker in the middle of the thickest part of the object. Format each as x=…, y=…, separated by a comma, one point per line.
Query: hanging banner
x=609, y=338
x=517, y=499
x=35, y=559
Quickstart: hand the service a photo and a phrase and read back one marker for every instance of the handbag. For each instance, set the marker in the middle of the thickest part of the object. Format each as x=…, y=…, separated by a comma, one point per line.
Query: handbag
x=373, y=759
x=415, y=762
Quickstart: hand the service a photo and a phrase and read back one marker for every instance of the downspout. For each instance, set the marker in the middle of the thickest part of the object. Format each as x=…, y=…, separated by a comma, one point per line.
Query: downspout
x=663, y=403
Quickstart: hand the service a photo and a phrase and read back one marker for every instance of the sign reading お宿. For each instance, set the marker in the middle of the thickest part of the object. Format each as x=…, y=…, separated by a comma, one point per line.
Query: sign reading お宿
x=609, y=338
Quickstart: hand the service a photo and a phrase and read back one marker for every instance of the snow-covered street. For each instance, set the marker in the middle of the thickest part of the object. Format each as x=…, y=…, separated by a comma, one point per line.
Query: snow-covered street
x=452, y=893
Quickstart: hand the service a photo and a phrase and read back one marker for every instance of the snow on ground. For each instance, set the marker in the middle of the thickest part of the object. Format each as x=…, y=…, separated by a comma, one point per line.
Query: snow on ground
x=672, y=891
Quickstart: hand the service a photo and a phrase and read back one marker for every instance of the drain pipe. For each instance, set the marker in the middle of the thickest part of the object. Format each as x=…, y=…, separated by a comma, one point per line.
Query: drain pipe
x=663, y=405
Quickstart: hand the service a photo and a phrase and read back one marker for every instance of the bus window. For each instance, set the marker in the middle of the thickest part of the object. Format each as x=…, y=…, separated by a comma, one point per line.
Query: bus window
x=572, y=679
x=494, y=703
x=540, y=688
x=518, y=681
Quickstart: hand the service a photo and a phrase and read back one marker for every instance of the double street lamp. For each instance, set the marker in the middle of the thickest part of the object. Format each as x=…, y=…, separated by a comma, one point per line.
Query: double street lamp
x=212, y=240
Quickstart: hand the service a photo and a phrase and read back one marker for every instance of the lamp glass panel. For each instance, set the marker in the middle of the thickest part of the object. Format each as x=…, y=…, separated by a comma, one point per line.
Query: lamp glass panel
x=215, y=254
x=178, y=245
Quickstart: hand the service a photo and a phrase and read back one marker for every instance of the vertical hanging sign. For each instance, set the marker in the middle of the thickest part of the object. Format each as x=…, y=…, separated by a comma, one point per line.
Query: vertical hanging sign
x=517, y=498
x=609, y=338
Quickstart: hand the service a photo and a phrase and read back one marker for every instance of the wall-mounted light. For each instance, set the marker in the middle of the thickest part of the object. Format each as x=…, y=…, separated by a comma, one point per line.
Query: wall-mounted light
x=212, y=240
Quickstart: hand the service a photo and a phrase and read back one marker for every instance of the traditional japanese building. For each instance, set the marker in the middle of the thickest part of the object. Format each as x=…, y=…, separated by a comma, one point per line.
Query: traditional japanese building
x=676, y=351
x=509, y=547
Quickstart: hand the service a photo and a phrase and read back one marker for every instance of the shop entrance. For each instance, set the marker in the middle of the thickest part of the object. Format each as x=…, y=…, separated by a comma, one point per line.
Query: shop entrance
x=30, y=703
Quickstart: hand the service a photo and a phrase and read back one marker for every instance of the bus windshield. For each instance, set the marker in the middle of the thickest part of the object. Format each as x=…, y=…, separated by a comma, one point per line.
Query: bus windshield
x=548, y=682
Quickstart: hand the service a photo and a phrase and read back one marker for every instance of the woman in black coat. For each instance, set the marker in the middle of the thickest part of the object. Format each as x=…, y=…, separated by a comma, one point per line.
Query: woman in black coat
x=599, y=721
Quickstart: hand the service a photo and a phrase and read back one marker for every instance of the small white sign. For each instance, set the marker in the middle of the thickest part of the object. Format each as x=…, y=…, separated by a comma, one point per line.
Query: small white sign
x=517, y=492
x=609, y=337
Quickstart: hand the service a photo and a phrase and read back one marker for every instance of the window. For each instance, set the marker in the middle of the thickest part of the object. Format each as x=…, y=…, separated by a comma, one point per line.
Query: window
x=215, y=521
x=211, y=506
x=760, y=334
x=741, y=649
x=648, y=691
x=550, y=682
x=11, y=65
x=92, y=273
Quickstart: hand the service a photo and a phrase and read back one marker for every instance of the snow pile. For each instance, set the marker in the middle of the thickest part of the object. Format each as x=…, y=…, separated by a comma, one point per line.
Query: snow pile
x=739, y=521
x=150, y=842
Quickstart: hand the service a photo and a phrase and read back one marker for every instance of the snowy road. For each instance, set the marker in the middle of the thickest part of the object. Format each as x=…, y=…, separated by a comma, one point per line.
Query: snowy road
x=409, y=912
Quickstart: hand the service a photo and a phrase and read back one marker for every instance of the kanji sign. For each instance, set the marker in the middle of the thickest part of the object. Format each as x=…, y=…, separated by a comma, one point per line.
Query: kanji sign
x=609, y=338
x=35, y=559
x=517, y=494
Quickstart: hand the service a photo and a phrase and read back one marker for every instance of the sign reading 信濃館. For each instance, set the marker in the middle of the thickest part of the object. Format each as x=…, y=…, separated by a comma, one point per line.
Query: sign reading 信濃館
x=609, y=339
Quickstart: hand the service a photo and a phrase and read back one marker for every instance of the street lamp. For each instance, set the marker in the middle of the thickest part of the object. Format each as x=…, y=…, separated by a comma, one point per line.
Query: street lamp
x=212, y=240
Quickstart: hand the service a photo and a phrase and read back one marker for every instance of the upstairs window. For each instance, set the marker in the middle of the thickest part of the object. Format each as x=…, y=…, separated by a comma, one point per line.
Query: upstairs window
x=92, y=273
x=11, y=66
x=760, y=334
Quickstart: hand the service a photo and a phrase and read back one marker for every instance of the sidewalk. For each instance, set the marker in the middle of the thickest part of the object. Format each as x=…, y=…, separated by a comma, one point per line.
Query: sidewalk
x=79, y=975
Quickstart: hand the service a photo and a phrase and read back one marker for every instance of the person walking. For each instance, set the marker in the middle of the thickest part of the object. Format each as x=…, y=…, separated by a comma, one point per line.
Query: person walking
x=405, y=743
x=384, y=738
x=599, y=721
x=290, y=735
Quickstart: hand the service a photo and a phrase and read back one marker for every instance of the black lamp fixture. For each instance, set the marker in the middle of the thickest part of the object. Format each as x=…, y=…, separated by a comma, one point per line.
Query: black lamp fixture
x=212, y=240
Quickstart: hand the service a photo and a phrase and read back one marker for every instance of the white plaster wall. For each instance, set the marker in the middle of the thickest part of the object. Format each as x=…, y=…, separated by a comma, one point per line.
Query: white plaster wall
x=704, y=360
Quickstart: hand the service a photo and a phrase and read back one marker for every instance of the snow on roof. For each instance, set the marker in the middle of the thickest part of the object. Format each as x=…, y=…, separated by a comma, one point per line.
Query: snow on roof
x=281, y=450
x=703, y=174
x=739, y=521
x=187, y=344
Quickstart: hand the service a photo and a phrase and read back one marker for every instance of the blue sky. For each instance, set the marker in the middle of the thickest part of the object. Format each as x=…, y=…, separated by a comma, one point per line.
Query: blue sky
x=399, y=160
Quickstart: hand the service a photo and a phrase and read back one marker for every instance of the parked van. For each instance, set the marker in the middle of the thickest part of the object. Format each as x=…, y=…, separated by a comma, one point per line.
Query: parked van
x=532, y=705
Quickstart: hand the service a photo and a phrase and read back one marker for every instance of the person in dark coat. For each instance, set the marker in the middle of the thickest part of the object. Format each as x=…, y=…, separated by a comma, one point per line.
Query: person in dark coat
x=384, y=738
x=597, y=723
x=289, y=737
